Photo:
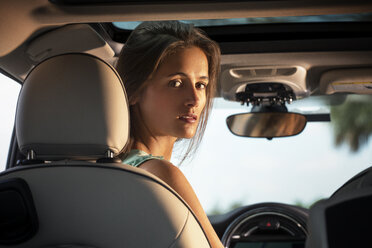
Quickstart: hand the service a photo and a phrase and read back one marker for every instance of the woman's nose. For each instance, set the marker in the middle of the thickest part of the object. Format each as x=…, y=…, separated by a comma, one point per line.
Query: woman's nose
x=193, y=98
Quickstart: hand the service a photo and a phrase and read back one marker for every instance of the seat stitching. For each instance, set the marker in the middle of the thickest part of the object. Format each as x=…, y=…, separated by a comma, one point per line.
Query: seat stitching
x=181, y=231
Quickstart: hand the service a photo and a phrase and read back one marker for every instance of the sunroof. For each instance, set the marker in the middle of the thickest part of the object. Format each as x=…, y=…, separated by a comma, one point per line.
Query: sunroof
x=360, y=17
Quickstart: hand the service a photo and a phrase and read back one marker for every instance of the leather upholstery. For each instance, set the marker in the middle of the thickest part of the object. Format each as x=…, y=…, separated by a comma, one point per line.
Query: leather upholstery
x=54, y=117
x=81, y=204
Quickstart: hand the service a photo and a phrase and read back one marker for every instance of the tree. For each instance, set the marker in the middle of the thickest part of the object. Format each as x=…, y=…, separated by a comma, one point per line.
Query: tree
x=352, y=122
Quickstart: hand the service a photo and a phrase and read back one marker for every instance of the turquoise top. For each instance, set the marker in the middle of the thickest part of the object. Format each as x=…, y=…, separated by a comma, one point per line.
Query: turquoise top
x=136, y=157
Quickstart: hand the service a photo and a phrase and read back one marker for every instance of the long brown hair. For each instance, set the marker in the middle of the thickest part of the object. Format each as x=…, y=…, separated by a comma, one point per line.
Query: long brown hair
x=147, y=46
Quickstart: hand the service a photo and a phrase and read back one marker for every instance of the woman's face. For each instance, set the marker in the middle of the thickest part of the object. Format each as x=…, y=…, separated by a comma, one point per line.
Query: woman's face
x=172, y=102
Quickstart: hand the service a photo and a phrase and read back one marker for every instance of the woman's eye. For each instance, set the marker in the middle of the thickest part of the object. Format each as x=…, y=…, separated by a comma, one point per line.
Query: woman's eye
x=175, y=83
x=201, y=85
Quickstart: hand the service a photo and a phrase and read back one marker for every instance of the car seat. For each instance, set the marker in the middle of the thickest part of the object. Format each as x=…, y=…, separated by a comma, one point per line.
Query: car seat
x=342, y=220
x=72, y=121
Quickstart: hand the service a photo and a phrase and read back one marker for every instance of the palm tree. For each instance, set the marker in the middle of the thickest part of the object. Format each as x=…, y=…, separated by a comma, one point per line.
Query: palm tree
x=352, y=121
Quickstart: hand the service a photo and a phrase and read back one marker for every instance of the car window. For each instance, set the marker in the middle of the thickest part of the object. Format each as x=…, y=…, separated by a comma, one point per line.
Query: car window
x=229, y=171
x=9, y=90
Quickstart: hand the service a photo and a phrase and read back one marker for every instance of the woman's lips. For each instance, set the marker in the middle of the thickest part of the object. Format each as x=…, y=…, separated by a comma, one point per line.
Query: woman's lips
x=190, y=118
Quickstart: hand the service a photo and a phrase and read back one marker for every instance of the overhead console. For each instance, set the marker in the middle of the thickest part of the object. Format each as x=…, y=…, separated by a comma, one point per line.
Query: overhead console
x=235, y=79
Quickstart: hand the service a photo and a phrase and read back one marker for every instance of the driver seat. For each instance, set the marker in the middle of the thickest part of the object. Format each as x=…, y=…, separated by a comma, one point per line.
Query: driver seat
x=72, y=121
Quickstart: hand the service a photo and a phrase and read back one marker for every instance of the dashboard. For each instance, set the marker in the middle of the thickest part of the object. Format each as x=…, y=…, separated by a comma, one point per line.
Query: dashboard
x=264, y=225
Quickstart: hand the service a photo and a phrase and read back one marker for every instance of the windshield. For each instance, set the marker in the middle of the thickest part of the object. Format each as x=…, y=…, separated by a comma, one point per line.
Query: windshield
x=228, y=171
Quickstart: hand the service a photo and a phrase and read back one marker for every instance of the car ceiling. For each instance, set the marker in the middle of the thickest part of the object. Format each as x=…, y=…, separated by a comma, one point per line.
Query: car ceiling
x=23, y=22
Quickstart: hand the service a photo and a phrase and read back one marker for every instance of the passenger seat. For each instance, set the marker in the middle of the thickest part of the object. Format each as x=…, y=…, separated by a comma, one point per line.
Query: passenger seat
x=73, y=111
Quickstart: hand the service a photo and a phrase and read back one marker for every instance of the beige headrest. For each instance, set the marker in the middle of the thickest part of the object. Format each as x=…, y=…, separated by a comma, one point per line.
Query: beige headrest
x=72, y=106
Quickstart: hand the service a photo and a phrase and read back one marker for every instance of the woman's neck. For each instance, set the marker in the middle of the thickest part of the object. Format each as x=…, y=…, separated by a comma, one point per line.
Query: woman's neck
x=157, y=146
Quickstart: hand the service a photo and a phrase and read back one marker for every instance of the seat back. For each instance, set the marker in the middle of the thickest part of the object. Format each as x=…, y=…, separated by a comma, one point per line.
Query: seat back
x=73, y=111
x=342, y=220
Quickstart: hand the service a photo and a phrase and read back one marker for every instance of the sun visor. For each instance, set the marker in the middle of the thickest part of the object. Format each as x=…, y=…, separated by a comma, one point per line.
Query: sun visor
x=358, y=81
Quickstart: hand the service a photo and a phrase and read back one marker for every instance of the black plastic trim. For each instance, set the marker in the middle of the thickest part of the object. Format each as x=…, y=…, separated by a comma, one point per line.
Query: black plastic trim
x=18, y=217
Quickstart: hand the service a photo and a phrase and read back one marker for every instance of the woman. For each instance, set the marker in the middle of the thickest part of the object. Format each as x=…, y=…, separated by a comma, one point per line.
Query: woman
x=169, y=70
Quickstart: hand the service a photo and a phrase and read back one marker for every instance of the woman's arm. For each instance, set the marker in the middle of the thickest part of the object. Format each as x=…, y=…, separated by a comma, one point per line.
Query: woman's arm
x=170, y=174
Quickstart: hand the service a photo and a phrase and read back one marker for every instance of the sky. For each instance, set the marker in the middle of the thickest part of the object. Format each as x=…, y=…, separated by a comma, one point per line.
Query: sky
x=9, y=91
x=228, y=169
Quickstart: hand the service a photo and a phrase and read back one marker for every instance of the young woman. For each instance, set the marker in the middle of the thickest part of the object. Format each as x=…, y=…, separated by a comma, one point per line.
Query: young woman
x=169, y=70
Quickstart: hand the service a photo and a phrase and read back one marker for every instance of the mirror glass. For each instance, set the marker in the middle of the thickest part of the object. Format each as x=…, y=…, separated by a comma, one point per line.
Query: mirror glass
x=266, y=125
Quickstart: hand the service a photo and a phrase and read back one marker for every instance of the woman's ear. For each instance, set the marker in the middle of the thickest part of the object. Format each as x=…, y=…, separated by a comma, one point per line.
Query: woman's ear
x=134, y=100
x=137, y=96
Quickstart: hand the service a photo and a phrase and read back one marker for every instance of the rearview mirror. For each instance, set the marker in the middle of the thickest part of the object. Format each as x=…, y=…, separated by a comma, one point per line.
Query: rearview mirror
x=266, y=125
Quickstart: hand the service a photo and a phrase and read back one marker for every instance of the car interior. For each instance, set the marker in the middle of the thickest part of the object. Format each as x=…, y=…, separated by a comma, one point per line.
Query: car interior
x=64, y=186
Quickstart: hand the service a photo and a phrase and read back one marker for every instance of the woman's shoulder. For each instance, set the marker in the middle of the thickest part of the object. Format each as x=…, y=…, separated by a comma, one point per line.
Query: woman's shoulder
x=157, y=166
x=161, y=168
